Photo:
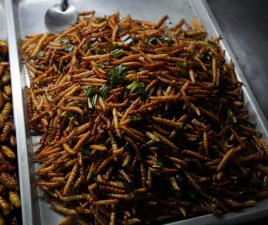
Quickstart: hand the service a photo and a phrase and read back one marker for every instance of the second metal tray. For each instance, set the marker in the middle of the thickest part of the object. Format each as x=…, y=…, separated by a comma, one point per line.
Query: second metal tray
x=26, y=17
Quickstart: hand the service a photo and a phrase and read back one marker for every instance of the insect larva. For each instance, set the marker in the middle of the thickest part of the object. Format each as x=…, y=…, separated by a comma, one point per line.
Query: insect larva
x=103, y=164
x=205, y=142
x=195, y=155
x=174, y=184
x=6, y=167
x=70, y=179
x=98, y=147
x=5, y=208
x=6, y=130
x=248, y=203
x=124, y=175
x=7, y=90
x=131, y=221
x=63, y=210
x=116, y=125
x=167, y=122
x=2, y=221
x=121, y=196
x=178, y=161
x=12, y=140
x=69, y=198
x=14, y=199
x=112, y=218
x=7, y=181
x=66, y=221
x=227, y=157
x=107, y=202
x=116, y=184
x=165, y=140
x=111, y=189
x=133, y=134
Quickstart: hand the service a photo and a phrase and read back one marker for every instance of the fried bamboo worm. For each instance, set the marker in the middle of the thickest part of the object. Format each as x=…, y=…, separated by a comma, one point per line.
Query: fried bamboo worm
x=227, y=157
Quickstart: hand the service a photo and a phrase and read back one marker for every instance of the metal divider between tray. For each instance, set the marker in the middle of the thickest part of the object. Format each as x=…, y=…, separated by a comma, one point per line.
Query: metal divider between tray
x=19, y=120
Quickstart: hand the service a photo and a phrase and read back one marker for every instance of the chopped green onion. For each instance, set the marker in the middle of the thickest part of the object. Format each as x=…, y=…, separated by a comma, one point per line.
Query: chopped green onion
x=100, y=51
x=68, y=48
x=104, y=90
x=69, y=114
x=137, y=87
x=64, y=41
x=87, y=47
x=115, y=46
x=90, y=91
x=100, y=19
x=40, y=54
x=91, y=101
x=153, y=41
x=101, y=65
x=136, y=118
x=168, y=40
x=116, y=75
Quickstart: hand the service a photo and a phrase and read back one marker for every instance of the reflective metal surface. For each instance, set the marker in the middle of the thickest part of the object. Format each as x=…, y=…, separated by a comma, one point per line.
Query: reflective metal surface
x=60, y=17
x=26, y=17
x=3, y=33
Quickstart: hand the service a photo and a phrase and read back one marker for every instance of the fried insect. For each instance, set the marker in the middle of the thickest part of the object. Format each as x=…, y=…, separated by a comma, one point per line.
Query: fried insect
x=9, y=188
x=139, y=123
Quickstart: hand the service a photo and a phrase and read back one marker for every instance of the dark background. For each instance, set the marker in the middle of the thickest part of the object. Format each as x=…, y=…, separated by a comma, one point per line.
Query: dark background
x=244, y=24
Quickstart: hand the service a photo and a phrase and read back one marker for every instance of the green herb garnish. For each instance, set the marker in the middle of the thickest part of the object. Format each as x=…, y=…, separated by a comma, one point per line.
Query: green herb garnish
x=115, y=46
x=100, y=51
x=136, y=118
x=117, y=53
x=87, y=47
x=104, y=90
x=168, y=40
x=92, y=101
x=41, y=54
x=90, y=91
x=116, y=75
x=137, y=87
x=64, y=41
x=67, y=46
x=100, y=19
x=153, y=41
x=181, y=66
x=69, y=114
x=101, y=65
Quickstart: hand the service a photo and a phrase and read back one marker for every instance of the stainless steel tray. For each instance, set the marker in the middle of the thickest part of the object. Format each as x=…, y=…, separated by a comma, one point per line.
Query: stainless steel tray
x=25, y=17
x=3, y=33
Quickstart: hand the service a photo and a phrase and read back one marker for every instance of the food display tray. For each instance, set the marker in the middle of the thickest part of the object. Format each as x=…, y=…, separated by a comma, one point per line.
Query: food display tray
x=26, y=17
